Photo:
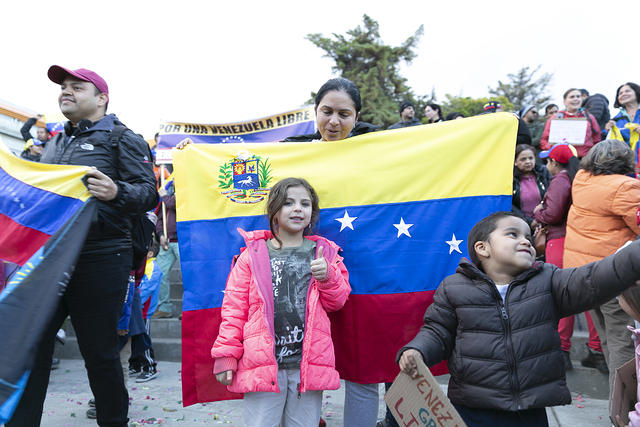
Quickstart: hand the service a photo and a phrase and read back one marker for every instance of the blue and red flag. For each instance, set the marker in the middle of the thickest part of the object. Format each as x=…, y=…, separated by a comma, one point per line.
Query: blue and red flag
x=45, y=214
x=399, y=203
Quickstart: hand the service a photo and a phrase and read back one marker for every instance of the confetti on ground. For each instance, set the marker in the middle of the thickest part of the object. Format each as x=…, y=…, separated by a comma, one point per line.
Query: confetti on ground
x=73, y=415
x=580, y=406
x=169, y=409
x=579, y=398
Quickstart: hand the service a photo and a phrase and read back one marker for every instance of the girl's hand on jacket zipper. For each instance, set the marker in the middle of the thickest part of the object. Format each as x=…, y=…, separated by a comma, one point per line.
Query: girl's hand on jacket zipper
x=319, y=266
x=225, y=377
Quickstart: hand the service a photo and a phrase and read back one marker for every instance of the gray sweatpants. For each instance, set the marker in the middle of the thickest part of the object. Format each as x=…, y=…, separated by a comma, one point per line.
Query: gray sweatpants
x=268, y=409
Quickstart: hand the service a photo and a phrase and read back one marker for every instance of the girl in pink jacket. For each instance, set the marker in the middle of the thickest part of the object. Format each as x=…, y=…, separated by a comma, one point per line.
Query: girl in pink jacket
x=274, y=342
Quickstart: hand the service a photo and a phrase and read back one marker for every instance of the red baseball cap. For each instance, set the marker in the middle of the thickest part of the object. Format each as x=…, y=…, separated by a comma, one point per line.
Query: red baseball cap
x=57, y=74
x=561, y=153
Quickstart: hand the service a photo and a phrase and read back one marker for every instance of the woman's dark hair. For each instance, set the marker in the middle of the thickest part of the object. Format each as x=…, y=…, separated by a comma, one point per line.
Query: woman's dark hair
x=609, y=157
x=634, y=87
x=564, y=96
x=480, y=232
x=278, y=196
x=572, y=167
x=341, y=85
x=549, y=107
x=454, y=115
x=519, y=149
x=437, y=108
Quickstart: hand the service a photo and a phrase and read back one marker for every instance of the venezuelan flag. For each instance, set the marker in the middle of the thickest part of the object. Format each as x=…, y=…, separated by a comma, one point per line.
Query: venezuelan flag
x=45, y=214
x=400, y=203
x=36, y=199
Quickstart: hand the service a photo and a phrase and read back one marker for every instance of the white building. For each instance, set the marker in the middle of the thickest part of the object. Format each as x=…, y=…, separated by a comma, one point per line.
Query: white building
x=12, y=117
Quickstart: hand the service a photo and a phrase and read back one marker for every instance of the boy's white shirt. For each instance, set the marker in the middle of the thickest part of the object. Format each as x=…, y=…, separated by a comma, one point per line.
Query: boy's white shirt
x=502, y=290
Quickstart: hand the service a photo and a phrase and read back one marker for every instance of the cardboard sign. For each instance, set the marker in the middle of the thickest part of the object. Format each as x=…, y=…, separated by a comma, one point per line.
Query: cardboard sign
x=421, y=401
x=625, y=388
x=568, y=131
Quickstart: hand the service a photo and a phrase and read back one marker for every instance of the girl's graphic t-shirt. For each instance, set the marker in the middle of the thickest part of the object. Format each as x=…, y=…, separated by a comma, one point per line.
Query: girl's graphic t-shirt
x=291, y=275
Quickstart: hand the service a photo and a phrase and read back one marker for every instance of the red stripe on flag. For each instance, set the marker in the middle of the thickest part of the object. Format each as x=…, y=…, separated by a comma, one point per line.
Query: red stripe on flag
x=366, y=345
x=17, y=242
x=199, y=331
x=370, y=329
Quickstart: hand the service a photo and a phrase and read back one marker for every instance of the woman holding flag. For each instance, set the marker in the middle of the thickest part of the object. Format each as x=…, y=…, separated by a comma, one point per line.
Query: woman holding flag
x=626, y=124
x=337, y=106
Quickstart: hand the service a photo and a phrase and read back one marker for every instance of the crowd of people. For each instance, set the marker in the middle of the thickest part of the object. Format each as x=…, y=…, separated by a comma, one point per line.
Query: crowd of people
x=575, y=204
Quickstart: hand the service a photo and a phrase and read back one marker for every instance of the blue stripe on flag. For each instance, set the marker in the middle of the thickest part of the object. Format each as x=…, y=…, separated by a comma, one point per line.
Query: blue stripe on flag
x=400, y=263
x=34, y=207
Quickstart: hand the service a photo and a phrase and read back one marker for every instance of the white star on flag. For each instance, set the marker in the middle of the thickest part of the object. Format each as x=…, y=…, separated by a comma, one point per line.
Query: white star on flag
x=454, y=244
x=346, y=221
x=403, y=228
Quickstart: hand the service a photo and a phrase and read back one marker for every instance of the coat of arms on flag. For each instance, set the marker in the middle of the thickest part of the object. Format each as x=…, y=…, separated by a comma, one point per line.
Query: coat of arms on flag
x=245, y=179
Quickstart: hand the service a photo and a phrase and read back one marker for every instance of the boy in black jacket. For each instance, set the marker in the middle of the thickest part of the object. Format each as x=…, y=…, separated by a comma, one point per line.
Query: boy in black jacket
x=496, y=322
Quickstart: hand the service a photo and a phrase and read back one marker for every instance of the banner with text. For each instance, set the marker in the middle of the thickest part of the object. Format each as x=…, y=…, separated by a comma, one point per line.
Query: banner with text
x=267, y=129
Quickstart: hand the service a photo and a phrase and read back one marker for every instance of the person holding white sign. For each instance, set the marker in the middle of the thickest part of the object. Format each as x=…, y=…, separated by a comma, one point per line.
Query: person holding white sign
x=574, y=126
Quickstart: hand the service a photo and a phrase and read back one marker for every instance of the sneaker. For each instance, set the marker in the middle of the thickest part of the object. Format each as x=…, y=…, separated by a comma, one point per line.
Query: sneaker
x=92, y=403
x=147, y=375
x=134, y=372
x=595, y=359
x=567, y=361
x=91, y=413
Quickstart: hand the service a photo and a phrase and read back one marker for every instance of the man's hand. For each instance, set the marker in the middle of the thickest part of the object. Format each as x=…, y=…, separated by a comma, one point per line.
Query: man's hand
x=225, y=377
x=162, y=192
x=407, y=362
x=100, y=185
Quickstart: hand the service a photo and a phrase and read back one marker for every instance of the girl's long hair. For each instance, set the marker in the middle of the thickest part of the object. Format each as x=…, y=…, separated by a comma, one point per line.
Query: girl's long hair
x=278, y=196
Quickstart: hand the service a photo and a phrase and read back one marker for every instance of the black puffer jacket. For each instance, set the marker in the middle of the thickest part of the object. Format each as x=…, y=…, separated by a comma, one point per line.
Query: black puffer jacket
x=131, y=170
x=507, y=355
x=359, y=129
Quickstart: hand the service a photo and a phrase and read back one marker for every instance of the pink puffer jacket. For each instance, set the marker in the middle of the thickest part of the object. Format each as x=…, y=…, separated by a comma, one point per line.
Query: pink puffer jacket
x=246, y=343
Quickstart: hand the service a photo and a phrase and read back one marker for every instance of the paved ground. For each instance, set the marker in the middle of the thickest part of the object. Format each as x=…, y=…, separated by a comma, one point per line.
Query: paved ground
x=160, y=402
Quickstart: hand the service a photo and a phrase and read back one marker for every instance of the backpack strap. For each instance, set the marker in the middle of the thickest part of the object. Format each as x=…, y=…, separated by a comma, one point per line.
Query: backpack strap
x=114, y=141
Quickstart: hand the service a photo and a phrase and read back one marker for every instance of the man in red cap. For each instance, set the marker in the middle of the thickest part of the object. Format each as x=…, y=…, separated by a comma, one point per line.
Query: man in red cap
x=122, y=180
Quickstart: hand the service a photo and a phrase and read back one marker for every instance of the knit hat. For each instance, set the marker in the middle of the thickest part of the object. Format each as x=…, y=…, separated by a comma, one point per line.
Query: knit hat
x=491, y=106
x=524, y=110
x=406, y=104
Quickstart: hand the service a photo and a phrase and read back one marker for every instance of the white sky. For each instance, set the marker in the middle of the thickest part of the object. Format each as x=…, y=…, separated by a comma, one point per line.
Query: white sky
x=218, y=62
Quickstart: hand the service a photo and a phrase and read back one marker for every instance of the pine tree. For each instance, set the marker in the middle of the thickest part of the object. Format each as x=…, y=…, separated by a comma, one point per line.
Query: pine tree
x=468, y=106
x=373, y=66
x=524, y=88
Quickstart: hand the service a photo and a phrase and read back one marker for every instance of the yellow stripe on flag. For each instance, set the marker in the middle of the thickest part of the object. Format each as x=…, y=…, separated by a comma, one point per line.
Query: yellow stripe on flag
x=64, y=180
x=461, y=158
